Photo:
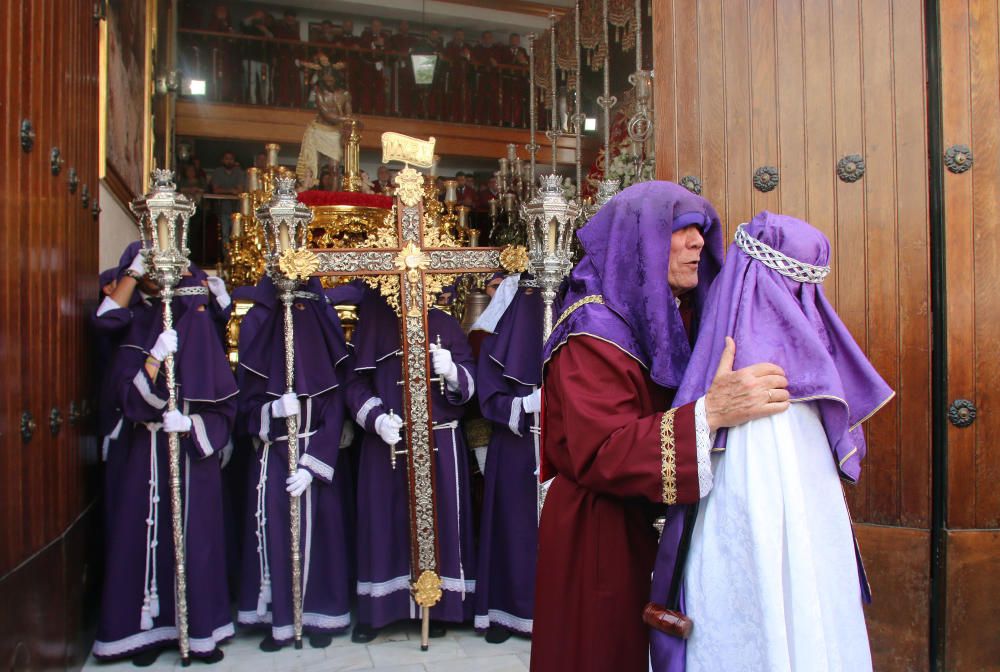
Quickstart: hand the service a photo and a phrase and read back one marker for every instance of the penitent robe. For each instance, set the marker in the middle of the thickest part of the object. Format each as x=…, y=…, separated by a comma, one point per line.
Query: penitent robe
x=615, y=455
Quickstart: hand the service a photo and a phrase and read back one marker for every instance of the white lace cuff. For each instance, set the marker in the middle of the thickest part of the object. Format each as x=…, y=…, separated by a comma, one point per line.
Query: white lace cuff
x=107, y=305
x=515, y=415
x=704, y=438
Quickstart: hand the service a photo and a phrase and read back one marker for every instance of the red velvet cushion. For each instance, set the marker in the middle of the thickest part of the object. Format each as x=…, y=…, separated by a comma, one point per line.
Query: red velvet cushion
x=316, y=197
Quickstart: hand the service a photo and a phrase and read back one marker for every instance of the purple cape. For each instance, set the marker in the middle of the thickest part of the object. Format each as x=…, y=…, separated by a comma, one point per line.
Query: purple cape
x=775, y=319
x=319, y=341
x=201, y=366
x=626, y=250
x=516, y=344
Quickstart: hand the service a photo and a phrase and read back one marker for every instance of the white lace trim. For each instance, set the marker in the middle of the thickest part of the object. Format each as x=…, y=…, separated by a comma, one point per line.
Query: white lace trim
x=704, y=438
x=283, y=632
x=516, y=408
x=265, y=422
x=165, y=634
x=471, y=380
x=146, y=393
x=321, y=468
x=458, y=585
x=509, y=621
x=403, y=583
x=385, y=587
x=365, y=409
x=201, y=435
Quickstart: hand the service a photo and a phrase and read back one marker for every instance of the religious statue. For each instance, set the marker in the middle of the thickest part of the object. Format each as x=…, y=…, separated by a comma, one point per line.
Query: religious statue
x=333, y=106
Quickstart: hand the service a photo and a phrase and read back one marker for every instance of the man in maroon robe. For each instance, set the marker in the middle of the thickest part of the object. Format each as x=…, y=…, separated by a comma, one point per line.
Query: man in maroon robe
x=373, y=69
x=487, y=56
x=459, y=56
x=515, y=82
x=617, y=452
x=288, y=90
x=403, y=43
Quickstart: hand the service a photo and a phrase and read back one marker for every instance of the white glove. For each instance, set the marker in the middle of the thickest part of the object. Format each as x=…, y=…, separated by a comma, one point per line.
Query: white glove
x=298, y=482
x=166, y=344
x=533, y=402
x=175, y=421
x=225, y=455
x=138, y=265
x=387, y=427
x=444, y=366
x=347, y=435
x=286, y=405
x=217, y=286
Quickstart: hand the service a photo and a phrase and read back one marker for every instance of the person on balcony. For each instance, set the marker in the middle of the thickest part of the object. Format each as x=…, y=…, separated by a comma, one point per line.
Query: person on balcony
x=459, y=56
x=515, y=83
x=487, y=55
x=406, y=87
x=256, y=61
x=288, y=79
x=373, y=42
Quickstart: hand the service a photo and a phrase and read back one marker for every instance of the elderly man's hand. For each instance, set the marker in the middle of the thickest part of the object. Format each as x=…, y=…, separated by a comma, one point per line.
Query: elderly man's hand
x=735, y=397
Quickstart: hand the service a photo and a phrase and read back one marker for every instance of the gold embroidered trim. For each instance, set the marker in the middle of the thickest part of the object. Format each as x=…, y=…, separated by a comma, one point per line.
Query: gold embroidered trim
x=593, y=298
x=669, y=459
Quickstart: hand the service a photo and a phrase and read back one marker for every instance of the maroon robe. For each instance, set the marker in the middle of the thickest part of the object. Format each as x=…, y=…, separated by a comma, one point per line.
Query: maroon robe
x=604, y=441
x=486, y=58
x=287, y=81
x=515, y=86
x=459, y=88
x=406, y=94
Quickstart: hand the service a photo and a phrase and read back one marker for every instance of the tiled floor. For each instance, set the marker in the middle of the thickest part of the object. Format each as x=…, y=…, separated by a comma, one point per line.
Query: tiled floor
x=397, y=649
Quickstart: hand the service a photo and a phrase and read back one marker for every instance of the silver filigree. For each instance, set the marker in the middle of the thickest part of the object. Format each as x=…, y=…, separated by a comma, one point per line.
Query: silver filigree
x=797, y=270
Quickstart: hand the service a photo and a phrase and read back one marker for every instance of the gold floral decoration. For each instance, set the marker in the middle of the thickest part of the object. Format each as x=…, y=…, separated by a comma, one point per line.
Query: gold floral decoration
x=427, y=589
x=409, y=186
x=514, y=258
x=298, y=264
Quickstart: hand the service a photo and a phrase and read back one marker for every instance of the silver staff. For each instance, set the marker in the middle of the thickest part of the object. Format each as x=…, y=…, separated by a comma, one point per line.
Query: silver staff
x=163, y=216
x=286, y=222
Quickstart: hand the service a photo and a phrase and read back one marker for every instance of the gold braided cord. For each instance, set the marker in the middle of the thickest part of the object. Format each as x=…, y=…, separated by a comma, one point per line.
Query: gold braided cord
x=593, y=298
x=668, y=449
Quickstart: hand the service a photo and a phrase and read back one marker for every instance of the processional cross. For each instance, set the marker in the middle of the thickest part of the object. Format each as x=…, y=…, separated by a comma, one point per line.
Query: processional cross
x=405, y=260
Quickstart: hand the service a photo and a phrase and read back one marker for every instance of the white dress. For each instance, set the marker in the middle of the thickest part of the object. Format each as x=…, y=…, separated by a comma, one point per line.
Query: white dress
x=772, y=581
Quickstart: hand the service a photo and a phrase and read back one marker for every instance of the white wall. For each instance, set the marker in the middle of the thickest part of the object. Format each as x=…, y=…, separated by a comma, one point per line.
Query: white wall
x=116, y=229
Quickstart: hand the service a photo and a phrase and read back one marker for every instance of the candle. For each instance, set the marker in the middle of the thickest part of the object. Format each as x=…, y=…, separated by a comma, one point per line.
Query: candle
x=508, y=202
x=550, y=244
x=511, y=152
x=494, y=204
x=284, y=243
x=253, y=182
x=245, y=205
x=163, y=233
x=463, y=216
x=272, y=154
x=504, y=168
x=450, y=191
x=473, y=238
x=434, y=165
x=237, y=229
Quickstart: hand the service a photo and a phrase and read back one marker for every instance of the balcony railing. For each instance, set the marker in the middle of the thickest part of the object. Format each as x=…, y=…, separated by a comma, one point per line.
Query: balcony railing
x=252, y=70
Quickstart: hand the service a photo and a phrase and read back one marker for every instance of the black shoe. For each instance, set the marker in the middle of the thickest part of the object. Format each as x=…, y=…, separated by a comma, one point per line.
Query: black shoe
x=269, y=645
x=320, y=640
x=363, y=633
x=212, y=658
x=437, y=630
x=497, y=634
x=147, y=657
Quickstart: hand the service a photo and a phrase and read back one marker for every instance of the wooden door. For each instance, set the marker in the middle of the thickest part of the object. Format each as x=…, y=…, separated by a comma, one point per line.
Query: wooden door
x=797, y=85
x=970, y=128
x=48, y=233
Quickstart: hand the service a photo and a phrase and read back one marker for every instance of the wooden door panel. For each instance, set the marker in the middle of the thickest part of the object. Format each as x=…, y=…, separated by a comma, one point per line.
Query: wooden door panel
x=11, y=213
x=799, y=84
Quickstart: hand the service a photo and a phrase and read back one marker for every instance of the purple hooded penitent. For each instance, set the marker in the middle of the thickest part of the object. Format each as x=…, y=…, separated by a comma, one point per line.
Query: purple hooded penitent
x=642, y=317
x=789, y=322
